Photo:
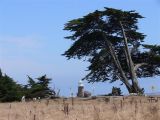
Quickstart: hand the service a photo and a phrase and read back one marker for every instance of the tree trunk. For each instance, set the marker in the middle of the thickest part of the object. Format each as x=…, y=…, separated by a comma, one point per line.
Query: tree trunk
x=118, y=65
x=135, y=87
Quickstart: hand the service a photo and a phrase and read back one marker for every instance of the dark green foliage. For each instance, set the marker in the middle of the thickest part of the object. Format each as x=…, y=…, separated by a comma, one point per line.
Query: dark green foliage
x=39, y=88
x=12, y=91
x=98, y=37
x=116, y=91
x=9, y=90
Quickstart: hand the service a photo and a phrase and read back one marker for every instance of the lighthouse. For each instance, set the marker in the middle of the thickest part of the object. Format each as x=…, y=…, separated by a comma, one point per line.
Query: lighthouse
x=80, y=89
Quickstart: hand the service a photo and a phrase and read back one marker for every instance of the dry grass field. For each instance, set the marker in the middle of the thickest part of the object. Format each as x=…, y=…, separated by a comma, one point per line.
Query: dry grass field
x=120, y=108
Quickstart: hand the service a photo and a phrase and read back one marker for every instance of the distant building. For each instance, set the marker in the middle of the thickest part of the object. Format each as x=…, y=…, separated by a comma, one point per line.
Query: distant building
x=80, y=89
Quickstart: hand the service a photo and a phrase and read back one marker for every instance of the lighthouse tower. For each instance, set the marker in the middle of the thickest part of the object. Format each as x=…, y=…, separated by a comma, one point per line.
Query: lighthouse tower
x=80, y=89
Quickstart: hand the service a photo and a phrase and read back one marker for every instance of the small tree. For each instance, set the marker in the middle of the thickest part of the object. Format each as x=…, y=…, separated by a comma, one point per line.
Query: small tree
x=39, y=88
x=116, y=91
x=110, y=41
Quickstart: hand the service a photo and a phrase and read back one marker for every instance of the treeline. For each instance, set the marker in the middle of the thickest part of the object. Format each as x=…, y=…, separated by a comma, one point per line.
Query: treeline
x=12, y=91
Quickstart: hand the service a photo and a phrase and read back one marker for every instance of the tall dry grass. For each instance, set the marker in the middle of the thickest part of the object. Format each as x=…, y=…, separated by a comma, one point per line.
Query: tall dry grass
x=131, y=108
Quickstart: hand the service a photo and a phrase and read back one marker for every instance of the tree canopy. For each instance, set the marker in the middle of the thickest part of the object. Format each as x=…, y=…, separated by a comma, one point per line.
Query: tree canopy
x=110, y=40
x=39, y=88
x=12, y=91
x=9, y=89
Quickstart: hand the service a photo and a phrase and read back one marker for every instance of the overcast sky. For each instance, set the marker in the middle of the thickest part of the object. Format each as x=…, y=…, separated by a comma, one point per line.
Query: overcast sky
x=32, y=39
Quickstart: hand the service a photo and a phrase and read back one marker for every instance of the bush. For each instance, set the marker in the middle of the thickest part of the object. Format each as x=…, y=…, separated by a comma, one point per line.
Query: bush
x=115, y=92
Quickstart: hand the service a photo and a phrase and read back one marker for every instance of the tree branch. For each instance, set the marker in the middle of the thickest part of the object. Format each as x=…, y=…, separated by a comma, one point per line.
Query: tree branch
x=139, y=65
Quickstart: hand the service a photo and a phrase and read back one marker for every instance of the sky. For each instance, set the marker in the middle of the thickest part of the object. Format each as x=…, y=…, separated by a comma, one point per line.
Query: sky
x=32, y=40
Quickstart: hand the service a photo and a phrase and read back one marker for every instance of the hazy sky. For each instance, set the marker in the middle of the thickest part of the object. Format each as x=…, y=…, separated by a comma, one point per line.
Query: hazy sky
x=32, y=39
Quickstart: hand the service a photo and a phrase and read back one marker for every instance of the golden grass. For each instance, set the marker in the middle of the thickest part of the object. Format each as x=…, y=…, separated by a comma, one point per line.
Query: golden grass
x=131, y=108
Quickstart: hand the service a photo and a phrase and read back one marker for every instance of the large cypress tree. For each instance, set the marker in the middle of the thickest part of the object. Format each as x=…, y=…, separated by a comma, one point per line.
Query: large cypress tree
x=111, y=42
